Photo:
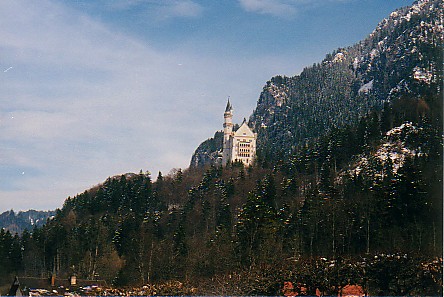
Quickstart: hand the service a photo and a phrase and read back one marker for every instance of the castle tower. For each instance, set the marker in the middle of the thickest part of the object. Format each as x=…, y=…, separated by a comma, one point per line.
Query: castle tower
x=228, y=134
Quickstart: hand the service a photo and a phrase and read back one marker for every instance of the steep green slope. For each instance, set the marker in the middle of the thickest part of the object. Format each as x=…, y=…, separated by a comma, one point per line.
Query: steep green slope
x=401, y=57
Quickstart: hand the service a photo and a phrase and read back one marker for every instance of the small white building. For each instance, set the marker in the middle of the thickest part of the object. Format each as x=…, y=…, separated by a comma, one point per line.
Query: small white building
x=239, y=145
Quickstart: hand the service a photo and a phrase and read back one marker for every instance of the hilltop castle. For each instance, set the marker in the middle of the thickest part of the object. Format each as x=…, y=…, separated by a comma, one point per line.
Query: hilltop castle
x=239, y=145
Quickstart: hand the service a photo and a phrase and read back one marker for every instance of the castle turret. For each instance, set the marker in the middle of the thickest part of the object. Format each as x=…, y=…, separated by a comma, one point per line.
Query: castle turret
x=228, y=133
x=228, y=119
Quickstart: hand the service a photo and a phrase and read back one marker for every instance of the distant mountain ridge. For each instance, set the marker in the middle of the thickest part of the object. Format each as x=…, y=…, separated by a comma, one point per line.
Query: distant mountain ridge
x=401, y=57
x=18, y=222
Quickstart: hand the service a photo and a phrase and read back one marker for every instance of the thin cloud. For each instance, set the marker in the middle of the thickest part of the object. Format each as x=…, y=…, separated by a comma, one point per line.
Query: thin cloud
x=181, y=9
x=282, y=8
x=159, y=9
x=272, y=7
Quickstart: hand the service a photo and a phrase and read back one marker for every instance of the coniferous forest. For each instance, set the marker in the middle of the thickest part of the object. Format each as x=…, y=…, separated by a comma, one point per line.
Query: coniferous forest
x=346, y=188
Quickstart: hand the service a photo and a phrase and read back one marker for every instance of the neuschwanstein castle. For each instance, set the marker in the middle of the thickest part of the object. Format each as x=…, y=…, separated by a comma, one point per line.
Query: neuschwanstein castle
x=239, y=145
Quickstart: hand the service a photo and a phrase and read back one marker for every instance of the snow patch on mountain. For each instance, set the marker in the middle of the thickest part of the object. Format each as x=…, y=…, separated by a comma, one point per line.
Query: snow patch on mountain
x=279, y=93
x=366, y=88
x=423, y=75
x=390, y=155
x=339, y=57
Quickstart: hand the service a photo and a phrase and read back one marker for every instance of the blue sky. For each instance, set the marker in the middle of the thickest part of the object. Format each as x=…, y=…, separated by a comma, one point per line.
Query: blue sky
x=95, y=88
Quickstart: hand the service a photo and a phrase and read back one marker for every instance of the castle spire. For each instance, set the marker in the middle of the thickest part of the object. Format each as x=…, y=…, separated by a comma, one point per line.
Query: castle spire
x=229, y=107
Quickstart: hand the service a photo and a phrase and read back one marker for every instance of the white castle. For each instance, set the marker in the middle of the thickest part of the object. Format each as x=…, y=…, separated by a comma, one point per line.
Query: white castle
x=239, y=145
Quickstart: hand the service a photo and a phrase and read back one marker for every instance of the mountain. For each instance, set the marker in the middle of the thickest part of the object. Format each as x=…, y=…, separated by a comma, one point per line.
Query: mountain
x=354, y=200
x=401, y=58
x=18, y=222
x=208, y=151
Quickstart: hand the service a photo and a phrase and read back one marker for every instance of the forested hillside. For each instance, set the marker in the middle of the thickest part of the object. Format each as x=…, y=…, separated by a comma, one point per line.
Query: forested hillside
x=402, y=57
x=347, y=189
x=355, y=210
